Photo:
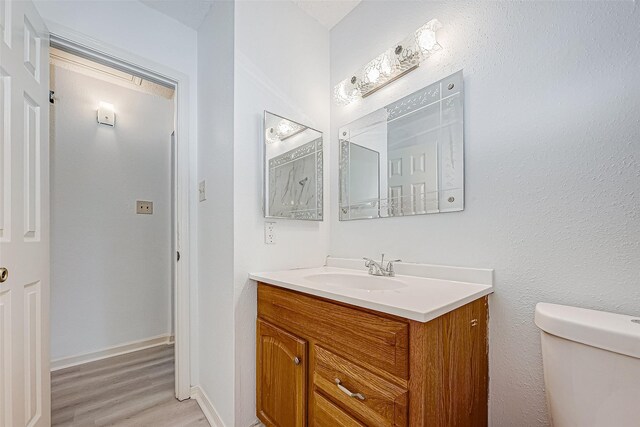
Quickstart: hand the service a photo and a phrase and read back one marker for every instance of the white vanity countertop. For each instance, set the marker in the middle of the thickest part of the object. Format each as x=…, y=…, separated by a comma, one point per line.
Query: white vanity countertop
x=416, y=297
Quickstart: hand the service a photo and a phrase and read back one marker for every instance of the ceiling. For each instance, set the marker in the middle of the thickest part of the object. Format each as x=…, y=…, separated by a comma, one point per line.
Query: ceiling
x=327, y=12
x=192, y=12
x=189, y=12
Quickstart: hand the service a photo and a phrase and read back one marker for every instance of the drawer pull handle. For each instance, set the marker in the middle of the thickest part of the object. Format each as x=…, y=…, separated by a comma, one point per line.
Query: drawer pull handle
x=347, y=391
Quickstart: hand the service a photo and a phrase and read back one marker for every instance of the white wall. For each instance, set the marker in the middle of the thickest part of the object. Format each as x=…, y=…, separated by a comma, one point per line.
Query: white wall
x=111, y=281
x=136, y=30
x=215, y=215
x=235, y=88
x=281, y=65
x=552, y=164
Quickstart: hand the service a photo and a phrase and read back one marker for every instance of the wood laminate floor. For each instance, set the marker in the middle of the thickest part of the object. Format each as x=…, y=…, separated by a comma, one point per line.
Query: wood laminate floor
x=134, y=389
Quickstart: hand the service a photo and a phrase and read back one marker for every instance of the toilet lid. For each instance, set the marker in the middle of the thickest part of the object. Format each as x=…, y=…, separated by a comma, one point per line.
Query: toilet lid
x=609, y=331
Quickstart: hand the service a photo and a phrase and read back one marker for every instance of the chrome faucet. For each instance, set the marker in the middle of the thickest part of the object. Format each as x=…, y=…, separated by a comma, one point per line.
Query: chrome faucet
x=379, y=269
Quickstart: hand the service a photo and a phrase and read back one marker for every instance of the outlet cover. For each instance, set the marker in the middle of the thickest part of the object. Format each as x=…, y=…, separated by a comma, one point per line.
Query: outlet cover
x=144, y=207
x=270, y=233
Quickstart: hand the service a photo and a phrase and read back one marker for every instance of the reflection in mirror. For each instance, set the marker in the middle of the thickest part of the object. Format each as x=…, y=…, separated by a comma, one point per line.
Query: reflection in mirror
x=364, y=172
x=293, y=169
x=406, y=158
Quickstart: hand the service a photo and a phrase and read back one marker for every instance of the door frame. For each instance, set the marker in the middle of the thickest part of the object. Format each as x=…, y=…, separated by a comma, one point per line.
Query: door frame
x=78, y=43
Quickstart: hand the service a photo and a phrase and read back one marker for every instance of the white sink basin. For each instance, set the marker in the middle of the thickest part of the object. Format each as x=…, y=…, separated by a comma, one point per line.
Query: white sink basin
x=356, y=281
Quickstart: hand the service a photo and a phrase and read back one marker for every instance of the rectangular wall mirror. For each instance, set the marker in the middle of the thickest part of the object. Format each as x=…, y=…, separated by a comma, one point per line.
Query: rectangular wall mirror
x=406, y=158
x=292, y=169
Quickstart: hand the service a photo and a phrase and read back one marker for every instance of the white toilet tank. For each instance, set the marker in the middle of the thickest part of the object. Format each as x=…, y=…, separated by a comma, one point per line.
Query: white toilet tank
x=591, y=366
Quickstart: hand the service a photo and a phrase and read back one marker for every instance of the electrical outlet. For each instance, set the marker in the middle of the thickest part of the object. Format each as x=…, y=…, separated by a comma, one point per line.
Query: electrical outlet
x=144, y=207
x=202, y=191
x=270, y=233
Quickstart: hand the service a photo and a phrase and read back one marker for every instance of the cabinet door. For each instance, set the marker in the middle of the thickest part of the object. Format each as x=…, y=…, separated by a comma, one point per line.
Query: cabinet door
x=281, y=369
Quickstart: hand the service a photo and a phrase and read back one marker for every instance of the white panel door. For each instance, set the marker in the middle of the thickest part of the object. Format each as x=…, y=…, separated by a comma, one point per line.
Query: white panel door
x=25, y=397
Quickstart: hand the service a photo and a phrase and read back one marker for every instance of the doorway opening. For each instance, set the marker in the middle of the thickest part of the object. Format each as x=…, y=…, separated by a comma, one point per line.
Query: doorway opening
x=118, y=288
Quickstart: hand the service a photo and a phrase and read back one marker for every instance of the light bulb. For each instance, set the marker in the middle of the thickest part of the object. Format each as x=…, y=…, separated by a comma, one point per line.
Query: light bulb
x=284, y=127
x=341, y=92
x=385, y=66
x=345, y=92
x=373, y=74
x=426, y=36
x=427, y=40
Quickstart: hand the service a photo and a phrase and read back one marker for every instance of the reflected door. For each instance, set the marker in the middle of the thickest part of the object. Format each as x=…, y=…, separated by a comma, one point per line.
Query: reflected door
x=413, y=180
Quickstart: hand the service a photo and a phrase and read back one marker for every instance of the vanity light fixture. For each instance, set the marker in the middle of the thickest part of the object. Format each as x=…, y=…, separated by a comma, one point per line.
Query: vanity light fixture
x=106, y=114
x=285, y=129
x=390, y=65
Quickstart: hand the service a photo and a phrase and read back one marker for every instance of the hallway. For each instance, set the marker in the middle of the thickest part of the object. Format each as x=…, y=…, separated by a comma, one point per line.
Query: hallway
x=135, y=389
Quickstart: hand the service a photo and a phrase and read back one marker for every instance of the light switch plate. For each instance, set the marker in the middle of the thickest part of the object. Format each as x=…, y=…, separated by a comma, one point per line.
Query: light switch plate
x=270, y=233
x=144, y=207
x=202, y=194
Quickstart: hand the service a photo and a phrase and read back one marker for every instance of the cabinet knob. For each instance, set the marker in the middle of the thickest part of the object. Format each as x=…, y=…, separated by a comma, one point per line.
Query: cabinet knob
x=296, y=360
x=4, y=274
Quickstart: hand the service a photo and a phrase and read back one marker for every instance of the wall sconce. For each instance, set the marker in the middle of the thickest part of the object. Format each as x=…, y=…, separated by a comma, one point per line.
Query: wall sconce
x=285, y=129
x=106, y=115
x=390, y=65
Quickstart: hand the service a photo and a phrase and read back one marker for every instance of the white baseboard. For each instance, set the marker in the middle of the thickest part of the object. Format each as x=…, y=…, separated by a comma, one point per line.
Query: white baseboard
x=67, y=362
x=198, y=394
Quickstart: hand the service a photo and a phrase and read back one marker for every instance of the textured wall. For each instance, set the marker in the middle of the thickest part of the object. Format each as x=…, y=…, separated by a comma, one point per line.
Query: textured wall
x=111, y=268
x=552, y=101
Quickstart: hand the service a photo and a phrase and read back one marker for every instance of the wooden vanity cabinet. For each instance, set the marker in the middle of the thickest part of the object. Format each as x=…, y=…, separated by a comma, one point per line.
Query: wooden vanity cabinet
x=325, y=364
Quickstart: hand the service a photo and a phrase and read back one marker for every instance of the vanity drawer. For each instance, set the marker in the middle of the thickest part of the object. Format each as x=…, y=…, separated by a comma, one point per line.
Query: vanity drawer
x=378, y=402
x=327, y=414
x=361, y=335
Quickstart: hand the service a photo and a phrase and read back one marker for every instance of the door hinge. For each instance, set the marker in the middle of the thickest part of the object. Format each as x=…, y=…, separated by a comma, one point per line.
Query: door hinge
x=51, y=98
x=178, y=257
